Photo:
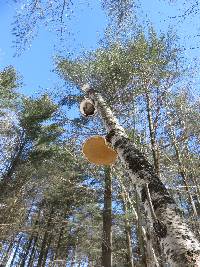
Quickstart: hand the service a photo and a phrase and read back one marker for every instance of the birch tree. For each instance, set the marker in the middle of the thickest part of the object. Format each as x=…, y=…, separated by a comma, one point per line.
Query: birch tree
x=178, y=242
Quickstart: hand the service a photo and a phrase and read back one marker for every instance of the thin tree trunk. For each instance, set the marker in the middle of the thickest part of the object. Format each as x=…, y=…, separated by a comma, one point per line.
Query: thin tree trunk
x=180, y=246
x=149, y=258
x=6, y=253
x=51, y=259
x=191, y=170
x=152, y=132
x=67, y=252
x=35, y=239
x=107, y=221
x=148, y=255
x=128, y=233
x=46, y=250
x=60, y=236
x=58, y=243
x=156, y=239
x=45, y=239
x=31, y=239
x=15, y=158
x=193, y=176
x=31, y=262
x=22, y=264
x=15, y=252
x=183, y=174
x=197, y=189
x=73, y=260
x=141, y=242
x=31, y=258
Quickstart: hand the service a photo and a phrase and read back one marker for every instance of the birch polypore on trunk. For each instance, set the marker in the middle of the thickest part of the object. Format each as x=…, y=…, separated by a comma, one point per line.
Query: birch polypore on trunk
x=87, y=107
x=177, y=241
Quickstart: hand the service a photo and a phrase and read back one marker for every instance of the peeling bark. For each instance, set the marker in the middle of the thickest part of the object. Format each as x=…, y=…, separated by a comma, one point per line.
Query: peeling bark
x=178, y=242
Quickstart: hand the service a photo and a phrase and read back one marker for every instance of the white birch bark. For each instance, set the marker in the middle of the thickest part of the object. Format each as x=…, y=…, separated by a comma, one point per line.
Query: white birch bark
x=180, y=246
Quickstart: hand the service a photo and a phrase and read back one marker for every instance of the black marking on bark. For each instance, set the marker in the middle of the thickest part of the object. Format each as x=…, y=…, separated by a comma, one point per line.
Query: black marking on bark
x=157, y=186
x=162, y=202
x=190, y=256
x=120, y=143
x=110, y=135
x=143, y=194
x=168, y=251
x=148, y=236
x=136, y=160
x=185, y=237
x=160, y=229
x=134, y=164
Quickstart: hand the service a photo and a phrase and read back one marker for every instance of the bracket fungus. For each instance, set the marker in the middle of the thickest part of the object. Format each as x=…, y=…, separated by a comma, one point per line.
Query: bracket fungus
x=87, y=107
x=98, y=151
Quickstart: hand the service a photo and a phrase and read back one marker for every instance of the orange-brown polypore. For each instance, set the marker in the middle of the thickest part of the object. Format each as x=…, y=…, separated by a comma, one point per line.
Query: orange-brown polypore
x=97, y=151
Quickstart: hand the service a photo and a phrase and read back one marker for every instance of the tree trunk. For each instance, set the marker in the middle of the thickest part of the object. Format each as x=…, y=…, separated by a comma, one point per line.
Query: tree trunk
x=31, y=239
x=147, y=252
x=149, y=257
x=140, y=235
x=45, y=239
x=15, y=158
x=193, y=176
x=180, y=246
x=31, y=258
x=183, y=174
x=73, y=259
x=56, y=254
x=16, y=251
x=152, y=132
x=107, y=221
x=28, y=246
x=46, y=250
x=6, y=253
x=128, y=233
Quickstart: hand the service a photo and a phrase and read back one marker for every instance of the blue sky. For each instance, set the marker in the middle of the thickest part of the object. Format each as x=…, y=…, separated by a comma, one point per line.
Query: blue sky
x=36, y=63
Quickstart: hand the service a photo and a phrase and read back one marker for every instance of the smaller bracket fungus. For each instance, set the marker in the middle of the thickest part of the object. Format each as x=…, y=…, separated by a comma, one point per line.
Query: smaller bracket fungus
x=87, y=107
x=97, y=151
